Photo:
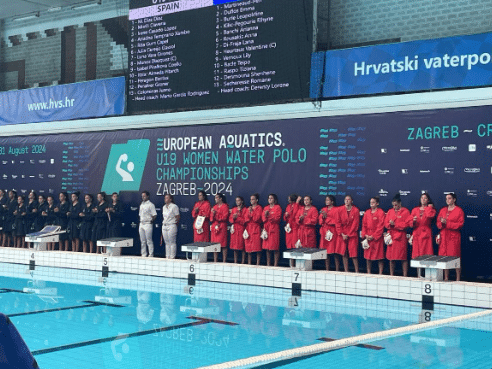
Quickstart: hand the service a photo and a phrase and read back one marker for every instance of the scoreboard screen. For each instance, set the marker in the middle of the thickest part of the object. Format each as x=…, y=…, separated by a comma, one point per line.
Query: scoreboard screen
x=193, y=54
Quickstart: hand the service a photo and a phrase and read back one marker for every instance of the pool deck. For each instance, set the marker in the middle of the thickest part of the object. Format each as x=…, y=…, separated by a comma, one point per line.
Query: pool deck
x=400, y=288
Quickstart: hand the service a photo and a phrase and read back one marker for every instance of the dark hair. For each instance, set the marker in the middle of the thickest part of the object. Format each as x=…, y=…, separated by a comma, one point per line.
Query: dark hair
x=14, y=192
x=240, y=198
x=115, y=193
x=171, y=196
x=397, y=198
x=275, y=198
x=34, y=193
x=146, y=193
x=453, y=195
x=351, y=198
x=21, y=197
x=76, y=193
x=222, y=196
x=293, y=197
x=53, y=197
x=257, y=195
x=44, y=197
x=90, y=195
x=65, y=194
x=310, y=198
x=332, y=198
x=375, y=198
x=428, y=198
x=205, y=197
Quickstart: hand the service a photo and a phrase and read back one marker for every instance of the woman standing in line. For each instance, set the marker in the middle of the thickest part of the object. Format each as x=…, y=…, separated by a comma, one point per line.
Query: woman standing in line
x=170, y=221
x=3, y=212
x=20, y=213
x=40, y=220
x=74, y=221
x=87, y=216
x=291, y=226
x=396, y=222
x=218, y=218
x=49, y=217
x=307, y=218
x=115, y=212
x=272, y=213
x=32, y=212
x=201, y=214
x=450, y=220
x=62, y=220
x=237, y=218
x=100, y=227
x=252, y=233
x=328, y=219
x=422, y=217
x=347, y=227
x=10, y=219
x=372, y=233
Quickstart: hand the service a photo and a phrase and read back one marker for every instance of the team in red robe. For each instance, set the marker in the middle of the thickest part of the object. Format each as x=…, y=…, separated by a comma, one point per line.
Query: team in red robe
x=372, y=231
x=201, y=208
x=272, y=213
x=237, y=218
x=253, y=228
x=219, y=217
x=347, y=227
x=396, y=222
x=422, y=217
x=450, y=221
x=290, y=218
x=328, y=219
x=307, y=218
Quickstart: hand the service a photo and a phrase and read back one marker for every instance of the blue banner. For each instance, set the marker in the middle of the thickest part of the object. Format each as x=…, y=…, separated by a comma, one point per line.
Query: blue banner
x=73, y=101
x=453, y=62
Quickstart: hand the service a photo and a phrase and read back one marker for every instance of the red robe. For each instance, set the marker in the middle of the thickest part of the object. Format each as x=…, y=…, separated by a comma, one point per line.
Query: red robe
x=253, y=227
x=373, y=225
x=328, y=224
x=348, y=224
x=237, y=239
x=450, y=232
x=271, y=225
x=201, y=208
x=219, y=224
x=422, y=232
x=290, y=217
x=398, y=249
x=307, y=226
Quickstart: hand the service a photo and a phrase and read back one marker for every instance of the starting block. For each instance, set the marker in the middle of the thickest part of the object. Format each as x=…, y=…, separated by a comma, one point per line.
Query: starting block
x=199, y=250
x=114, y=245
x=46, y=235
x=434, y=265
x=304, y=256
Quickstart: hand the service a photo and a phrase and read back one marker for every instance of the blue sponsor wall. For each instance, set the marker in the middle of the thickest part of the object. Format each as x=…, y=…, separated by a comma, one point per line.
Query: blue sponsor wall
x=453, y=62
x=361, y=155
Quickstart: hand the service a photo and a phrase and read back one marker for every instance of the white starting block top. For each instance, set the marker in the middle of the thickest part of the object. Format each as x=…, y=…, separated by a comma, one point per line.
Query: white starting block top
x=113, y=245
x=44, y=236
x=199, y=250
x=436, y=262
x=304, y=256
x=434, y=265
x=197, y=310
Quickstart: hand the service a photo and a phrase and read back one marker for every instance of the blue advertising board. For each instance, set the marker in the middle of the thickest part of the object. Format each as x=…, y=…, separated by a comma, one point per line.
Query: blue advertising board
x=453, y=62
x=64, y=102
x=437, y=151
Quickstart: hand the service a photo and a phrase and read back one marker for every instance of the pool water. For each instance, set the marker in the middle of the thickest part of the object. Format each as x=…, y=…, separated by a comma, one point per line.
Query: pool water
x=131, y=321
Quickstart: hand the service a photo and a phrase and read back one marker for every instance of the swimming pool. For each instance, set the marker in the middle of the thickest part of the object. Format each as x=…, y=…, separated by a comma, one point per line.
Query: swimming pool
x=142, y=321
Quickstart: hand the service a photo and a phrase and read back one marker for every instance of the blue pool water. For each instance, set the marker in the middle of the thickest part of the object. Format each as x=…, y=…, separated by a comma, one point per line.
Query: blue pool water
x=130, y=321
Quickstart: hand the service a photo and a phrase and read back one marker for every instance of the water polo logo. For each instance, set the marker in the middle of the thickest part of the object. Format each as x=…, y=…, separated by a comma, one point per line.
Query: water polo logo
x=125, y=167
